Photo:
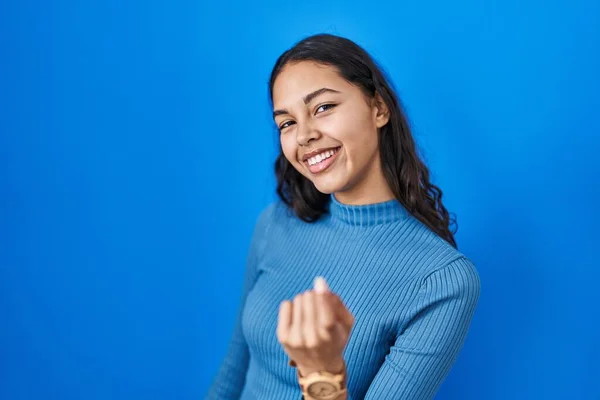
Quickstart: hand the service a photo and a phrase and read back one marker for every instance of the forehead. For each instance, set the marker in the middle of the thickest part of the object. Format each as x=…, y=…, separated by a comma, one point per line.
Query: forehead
x=297, y=79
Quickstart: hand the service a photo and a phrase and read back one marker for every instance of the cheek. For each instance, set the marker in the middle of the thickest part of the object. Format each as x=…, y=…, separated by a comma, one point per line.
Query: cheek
x=354, y=132
x=289, y=149
x=353, y=128
x=360, y=145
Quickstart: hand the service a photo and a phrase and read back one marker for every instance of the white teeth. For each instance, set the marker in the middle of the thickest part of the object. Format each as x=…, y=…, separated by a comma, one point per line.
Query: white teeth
x=320, y=157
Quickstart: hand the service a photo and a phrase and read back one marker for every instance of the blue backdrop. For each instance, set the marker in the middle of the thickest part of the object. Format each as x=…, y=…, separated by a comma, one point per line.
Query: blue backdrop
x=135, y=154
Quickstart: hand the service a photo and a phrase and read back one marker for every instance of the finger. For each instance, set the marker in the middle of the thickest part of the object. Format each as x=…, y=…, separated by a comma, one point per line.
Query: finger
x=320, y=285
x=341, y=312
x=325, y=315
x=296, y=338
x=284, y=323
x=311, y=338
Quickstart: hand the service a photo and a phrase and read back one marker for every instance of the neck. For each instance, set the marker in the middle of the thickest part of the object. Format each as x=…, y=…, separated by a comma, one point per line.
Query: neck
x=371, y=189
x=363, y=198
x=366, y=215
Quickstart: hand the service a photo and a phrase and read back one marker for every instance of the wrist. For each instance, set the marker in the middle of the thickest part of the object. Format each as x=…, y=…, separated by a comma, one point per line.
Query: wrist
x=335, y=367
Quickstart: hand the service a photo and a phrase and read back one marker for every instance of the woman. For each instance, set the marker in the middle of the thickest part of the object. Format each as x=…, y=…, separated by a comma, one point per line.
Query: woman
x=356, y=208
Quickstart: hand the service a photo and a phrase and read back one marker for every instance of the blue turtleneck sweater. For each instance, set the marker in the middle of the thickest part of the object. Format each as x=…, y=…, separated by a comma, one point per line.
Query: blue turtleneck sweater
x=412, y=295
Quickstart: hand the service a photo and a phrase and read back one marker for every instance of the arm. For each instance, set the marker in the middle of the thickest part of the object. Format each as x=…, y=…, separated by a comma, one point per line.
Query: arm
x=428, y=345
x=230, y=378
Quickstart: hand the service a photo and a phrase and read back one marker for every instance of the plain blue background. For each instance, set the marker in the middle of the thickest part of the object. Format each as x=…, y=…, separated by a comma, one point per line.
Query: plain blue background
x=136, y=151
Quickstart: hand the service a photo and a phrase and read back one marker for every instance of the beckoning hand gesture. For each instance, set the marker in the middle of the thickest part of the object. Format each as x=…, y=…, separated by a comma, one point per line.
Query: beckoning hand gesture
x=314, y=329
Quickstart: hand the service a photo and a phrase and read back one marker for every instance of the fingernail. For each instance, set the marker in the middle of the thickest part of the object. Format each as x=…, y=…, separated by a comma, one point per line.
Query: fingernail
x=320, y=285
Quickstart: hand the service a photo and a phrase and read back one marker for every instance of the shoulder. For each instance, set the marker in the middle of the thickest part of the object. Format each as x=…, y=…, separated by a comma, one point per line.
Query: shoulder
x=274, y=212
x=438, y=257
x=451, y=272
x=459, y=277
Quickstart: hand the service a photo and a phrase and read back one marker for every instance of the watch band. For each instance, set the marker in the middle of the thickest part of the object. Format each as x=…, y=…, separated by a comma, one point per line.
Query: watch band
x=341, y=393
x=336, y=382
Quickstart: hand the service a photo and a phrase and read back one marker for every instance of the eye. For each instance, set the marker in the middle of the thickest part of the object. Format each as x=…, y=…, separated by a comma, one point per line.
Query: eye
x=285, y=125
x=325, y=107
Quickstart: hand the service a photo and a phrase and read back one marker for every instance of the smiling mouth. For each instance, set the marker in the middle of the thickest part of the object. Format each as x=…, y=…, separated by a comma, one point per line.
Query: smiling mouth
x=322, y=161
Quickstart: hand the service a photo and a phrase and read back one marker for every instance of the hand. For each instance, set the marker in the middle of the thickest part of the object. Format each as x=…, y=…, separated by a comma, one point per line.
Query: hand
x=314, y=329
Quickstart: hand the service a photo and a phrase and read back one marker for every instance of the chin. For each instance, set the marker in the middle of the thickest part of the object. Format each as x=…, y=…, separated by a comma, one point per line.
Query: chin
x=324, y=191
x=327, y=187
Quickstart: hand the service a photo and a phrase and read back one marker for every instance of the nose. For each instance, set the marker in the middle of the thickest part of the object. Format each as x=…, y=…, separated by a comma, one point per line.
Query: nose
x=306, y=133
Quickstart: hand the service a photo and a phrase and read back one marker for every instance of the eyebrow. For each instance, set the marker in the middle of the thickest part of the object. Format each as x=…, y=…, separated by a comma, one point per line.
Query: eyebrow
x=307, y=99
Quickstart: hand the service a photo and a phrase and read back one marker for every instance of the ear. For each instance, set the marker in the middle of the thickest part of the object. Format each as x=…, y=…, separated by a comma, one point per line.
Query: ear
x=382, y=116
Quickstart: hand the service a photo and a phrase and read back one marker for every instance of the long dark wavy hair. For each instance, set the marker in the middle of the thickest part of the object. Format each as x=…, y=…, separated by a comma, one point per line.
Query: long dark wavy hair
x=405, y=172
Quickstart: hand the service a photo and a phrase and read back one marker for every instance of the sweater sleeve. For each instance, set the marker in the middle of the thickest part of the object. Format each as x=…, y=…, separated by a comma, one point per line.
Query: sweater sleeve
x=229, y=381
x=426, y=348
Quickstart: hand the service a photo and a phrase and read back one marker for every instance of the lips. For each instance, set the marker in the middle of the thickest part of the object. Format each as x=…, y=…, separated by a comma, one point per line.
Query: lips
x=323, y=164
x=317, y=152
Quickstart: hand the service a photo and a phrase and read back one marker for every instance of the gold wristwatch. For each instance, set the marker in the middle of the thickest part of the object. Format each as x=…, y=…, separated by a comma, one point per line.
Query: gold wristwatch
x=322, y=385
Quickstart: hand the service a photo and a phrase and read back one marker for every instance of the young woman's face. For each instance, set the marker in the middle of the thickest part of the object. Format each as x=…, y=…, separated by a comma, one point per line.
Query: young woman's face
x=328, y=129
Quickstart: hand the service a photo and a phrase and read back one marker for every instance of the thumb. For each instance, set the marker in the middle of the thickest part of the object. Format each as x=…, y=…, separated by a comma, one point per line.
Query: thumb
x=320, y=285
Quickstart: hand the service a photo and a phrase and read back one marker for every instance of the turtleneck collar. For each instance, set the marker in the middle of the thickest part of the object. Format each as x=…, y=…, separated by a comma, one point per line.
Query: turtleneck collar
x=367, y=214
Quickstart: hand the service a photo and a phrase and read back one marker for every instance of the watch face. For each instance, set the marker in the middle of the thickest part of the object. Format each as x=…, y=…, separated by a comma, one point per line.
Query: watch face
x=321, y=389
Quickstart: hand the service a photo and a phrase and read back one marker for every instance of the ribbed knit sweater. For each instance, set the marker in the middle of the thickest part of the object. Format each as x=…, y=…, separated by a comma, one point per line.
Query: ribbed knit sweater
x=411, y=293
